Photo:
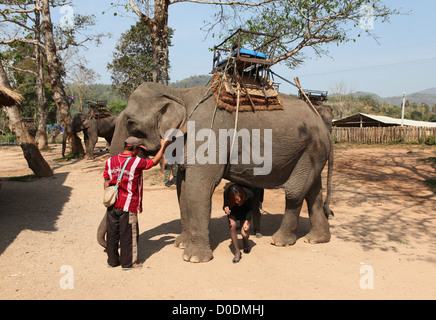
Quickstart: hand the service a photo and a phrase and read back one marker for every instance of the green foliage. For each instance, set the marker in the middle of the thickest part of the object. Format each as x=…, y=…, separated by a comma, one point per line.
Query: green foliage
x=430, y=160
x=99, y=92
x=23, y=82
x=419, y=111
x=132, y=59
x=19, y=56
x=117, y=106
x=8, y=137
x=431, y=183
x=132, y=63
x=29, y=105
x=192, y=81
x=431, y=141
x=346, y=105
x=68, y=157
x=309, y=23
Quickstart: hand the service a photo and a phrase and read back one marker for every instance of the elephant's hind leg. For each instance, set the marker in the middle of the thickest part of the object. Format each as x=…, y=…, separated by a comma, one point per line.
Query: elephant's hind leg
x=320, y=231
x=296, y=189
x=287, y=233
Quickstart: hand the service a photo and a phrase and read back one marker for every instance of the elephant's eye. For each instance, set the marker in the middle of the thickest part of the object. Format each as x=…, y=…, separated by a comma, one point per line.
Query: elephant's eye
x=131, y=125
x=134, y=129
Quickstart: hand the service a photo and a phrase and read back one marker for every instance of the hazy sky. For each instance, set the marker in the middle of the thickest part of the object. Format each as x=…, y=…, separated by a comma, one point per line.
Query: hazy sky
x=404, y=59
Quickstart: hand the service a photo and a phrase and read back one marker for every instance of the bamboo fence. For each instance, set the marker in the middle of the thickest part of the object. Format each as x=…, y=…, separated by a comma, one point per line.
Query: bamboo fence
x=371, y=135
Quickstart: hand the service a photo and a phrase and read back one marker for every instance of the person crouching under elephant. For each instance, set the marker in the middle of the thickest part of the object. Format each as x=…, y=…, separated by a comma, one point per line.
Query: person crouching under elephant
x=238, y=206
x=122, y=220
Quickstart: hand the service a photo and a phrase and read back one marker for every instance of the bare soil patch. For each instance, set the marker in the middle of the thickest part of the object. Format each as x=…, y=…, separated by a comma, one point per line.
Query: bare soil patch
x=384, y=221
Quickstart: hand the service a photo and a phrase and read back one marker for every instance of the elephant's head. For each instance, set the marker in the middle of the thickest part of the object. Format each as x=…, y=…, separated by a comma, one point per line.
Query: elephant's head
x=79, y=123
x=326, y=113
x=152, y=109
x=82, y=122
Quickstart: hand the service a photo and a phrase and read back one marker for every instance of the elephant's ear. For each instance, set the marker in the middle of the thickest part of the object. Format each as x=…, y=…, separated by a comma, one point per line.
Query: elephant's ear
x=172, y=114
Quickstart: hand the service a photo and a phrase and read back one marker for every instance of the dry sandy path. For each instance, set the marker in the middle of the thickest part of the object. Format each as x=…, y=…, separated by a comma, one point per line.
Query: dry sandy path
x=384, y=227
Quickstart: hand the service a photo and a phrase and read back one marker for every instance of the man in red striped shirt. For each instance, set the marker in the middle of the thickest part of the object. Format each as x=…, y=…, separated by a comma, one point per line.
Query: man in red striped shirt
x=122, y=220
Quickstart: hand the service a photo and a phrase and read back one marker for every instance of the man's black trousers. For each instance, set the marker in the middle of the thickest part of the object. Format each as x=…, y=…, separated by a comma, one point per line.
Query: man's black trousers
x=122, y=233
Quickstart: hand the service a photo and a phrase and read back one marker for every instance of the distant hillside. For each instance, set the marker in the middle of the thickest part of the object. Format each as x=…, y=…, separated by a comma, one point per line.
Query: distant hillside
x=96, y=92
x=428, y=91
x=192, y=81
x=427, y=96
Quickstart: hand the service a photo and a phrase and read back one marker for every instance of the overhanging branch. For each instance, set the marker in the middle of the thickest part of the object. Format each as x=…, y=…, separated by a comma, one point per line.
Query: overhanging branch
x=225, y=3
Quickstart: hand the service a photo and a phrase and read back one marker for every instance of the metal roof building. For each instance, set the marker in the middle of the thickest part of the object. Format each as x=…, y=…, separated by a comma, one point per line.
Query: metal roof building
x=367, y=120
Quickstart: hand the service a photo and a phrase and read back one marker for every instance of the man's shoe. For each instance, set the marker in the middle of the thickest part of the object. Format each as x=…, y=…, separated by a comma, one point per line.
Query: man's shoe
x=134, y=266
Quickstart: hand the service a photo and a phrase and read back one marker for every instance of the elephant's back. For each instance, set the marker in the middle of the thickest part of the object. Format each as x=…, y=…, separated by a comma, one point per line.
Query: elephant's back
x=296, y=119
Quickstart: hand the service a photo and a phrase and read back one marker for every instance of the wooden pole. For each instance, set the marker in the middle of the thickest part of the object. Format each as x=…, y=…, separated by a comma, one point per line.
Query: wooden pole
x=297, y=82
x=402, y=111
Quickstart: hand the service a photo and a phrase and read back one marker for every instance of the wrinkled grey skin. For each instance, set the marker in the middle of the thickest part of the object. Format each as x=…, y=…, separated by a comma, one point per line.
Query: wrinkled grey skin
x=326, y=113
x=301, y=146
x=92, y=129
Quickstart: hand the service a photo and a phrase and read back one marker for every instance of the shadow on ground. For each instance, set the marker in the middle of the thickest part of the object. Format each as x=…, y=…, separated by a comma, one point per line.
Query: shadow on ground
x=29, y=206
x=154, y=240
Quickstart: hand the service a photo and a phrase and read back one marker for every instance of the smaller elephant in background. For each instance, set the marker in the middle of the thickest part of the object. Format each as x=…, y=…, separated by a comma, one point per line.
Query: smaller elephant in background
x=93, y=126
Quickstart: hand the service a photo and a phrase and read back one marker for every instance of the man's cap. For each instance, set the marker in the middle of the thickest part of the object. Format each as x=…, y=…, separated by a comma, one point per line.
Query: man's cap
x=134, y=142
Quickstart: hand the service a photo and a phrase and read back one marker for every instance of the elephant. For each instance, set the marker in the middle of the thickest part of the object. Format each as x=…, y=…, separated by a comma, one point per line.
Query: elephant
x=296, y=146
x=93, y=126
x=326, y=113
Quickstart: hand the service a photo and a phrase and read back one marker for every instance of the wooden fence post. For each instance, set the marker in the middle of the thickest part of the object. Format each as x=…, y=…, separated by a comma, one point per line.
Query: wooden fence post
x=373, y=135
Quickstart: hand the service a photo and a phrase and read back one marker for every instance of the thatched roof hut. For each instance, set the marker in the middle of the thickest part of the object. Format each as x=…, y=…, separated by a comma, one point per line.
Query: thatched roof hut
x=9, y=97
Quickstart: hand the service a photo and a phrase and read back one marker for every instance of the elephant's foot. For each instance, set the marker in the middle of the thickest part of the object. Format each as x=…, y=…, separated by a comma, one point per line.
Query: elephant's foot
x=315, y=236
x=281, y=239
x=197, y=254
x=182, y=241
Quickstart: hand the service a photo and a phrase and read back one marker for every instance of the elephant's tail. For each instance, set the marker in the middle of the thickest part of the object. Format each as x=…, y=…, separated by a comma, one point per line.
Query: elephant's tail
x=329, y=213
x=101, y=232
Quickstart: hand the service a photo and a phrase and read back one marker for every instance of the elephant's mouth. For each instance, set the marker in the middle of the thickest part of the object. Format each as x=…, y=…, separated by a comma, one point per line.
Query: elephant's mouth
x=147, y=153
x=143, y=154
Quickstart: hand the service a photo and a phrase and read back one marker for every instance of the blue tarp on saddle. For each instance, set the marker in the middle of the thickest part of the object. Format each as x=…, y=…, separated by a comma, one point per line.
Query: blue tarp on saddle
x=251, y=53
x=247, y=52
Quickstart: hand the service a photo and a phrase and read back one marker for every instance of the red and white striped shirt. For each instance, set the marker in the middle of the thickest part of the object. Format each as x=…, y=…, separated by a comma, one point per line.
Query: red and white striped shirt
x=130, y=188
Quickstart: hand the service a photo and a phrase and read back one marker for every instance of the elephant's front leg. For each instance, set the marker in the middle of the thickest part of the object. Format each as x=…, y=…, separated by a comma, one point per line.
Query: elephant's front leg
x=184, y=239
x=199, y=185
x=296, y=188
x=90, y=142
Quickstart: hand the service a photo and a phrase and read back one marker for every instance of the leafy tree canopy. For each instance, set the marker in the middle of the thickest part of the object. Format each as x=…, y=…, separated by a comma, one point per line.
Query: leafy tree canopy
x=132, y=59
x=314, y=23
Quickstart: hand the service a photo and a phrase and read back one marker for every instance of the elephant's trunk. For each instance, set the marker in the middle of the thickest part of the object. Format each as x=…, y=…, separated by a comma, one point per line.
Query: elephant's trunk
x=101, y=232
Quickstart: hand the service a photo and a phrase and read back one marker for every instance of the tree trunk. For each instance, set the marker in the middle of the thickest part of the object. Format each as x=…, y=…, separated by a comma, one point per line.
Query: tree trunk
x=55, y=71
x=41, y=134
x=159, y=35
x=30, y=149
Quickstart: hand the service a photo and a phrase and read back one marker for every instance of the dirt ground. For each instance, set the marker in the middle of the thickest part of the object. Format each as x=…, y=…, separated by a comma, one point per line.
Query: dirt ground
x=383, y=236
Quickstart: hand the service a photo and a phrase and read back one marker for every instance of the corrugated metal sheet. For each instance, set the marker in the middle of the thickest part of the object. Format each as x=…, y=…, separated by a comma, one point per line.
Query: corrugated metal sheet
x=366, y=120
